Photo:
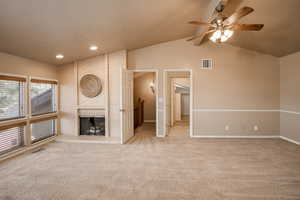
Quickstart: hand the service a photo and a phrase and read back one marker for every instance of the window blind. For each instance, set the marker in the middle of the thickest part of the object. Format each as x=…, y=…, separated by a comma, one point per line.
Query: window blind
x=42, y=97
x=11, y=137
x=11, y=97
x=42, y=128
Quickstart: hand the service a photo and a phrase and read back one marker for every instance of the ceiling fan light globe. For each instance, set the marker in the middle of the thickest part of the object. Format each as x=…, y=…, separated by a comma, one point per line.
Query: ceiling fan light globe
x=217, y=34
x=228, y=33
x=213, y=39
x=224, y=38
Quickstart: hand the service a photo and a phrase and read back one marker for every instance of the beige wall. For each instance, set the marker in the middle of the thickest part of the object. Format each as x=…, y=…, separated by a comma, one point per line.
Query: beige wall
x=240, y=80
x=22, y=66
x=68, y=99
x=107, y=68
x=96, y=66
x=290, y=96
x=142, y=90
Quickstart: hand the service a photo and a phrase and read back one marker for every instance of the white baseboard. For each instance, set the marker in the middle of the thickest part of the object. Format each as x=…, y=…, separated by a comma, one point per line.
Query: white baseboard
x=149, y=121
x=235, y=137
x=289, y=140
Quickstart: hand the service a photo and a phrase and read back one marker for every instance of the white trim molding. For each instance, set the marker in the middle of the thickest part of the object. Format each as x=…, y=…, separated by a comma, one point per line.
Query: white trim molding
x=289, y=140
x=165, y=71
x=290, y=112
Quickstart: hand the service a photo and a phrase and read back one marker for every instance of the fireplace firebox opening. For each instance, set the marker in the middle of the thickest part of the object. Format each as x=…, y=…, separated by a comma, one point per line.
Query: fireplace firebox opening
x=94, y=126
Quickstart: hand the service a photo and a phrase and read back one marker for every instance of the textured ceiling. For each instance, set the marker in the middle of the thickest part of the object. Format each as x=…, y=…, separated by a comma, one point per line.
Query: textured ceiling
x=41, y=29
x=280, y=36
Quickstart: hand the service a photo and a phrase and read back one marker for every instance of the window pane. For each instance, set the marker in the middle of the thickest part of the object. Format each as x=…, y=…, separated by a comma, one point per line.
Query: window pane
x=11, y=139
x=42, y=98
x=42, y=130
x=11, y=99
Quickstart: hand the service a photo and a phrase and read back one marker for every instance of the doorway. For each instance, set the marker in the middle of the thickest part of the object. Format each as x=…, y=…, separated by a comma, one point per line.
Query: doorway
x=178, y=102
x=145, y=97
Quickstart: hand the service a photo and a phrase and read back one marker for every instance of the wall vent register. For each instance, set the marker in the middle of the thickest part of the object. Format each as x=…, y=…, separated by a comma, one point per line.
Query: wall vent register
x=206, y=63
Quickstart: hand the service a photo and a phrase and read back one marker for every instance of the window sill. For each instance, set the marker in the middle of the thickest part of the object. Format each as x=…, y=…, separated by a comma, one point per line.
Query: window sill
x=44, y=114
x=12, y=119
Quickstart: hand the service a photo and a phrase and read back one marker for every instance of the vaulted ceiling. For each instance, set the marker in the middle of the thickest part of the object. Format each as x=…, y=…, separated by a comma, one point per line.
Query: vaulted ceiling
x=41, y=29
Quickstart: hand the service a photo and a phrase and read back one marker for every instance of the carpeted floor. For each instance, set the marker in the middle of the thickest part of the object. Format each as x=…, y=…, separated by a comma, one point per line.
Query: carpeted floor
x=175, y=167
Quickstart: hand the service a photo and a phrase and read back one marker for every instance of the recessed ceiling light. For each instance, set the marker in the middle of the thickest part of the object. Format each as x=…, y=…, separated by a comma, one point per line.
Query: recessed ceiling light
x=93, y=48
x=59, y=56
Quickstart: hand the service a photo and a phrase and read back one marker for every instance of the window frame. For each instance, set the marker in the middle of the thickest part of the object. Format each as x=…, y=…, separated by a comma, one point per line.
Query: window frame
x=46, y=81
x=17, y=124
x=23, y=94
x=28, y=117
x=52, y=118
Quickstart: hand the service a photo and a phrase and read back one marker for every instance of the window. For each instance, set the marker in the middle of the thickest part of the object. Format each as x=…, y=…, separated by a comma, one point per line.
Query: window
x=16, y=126
x=42, y=97
x=11, y=97
x=42, y=128
x=11, y=137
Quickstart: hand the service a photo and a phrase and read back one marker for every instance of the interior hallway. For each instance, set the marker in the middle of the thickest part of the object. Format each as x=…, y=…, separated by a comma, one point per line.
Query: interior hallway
x=180, y=128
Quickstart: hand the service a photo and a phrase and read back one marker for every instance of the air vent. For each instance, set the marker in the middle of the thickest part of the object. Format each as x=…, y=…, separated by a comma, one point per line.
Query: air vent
x=206, y=63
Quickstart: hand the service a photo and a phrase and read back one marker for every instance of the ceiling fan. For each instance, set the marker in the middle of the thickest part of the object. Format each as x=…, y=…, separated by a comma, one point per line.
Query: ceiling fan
x=221, y=27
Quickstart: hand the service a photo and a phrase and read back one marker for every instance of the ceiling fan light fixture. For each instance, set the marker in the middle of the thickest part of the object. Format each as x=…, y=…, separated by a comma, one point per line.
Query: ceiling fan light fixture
x=228, y=33
x=221, y=36
x=93, y=48
x=216, y=35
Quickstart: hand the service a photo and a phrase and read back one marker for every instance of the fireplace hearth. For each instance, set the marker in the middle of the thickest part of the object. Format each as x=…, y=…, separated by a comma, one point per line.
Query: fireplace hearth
x=94, y=126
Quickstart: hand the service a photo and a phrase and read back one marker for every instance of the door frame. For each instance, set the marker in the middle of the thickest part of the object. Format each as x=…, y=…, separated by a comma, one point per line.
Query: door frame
x=156, y=92
x=191, y=98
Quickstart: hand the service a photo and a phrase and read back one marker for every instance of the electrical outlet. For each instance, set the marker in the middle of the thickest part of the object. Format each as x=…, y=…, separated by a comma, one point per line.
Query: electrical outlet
x=226, y=128
x=255, y=128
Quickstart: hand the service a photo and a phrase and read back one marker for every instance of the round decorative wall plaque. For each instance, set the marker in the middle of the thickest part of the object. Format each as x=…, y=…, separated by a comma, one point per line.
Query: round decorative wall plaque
x=90, y=85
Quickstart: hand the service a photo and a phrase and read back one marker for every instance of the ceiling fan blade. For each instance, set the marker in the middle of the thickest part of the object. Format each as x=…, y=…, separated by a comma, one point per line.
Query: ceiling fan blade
x=247, y=27
x=200, y=23
x=200, y=36
x=238, y=15
x=221, y=5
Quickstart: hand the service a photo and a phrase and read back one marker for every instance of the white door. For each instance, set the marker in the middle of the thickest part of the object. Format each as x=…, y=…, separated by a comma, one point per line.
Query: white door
x=126, y=106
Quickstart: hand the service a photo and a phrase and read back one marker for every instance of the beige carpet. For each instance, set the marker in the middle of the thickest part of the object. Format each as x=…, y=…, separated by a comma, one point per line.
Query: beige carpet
x=175, y=167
